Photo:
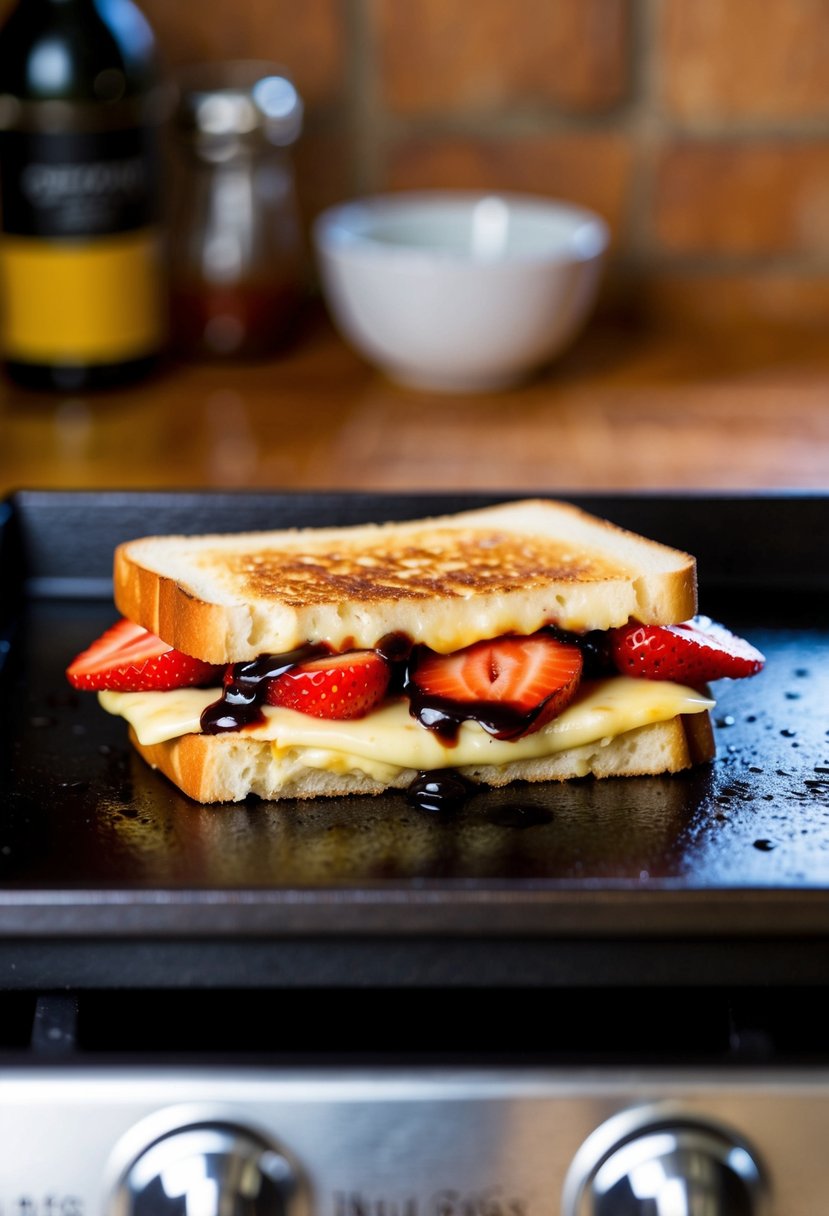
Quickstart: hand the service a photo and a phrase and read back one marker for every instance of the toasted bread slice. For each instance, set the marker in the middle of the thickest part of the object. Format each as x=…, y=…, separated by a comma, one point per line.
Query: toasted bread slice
x=227, y=768
x=446, y=581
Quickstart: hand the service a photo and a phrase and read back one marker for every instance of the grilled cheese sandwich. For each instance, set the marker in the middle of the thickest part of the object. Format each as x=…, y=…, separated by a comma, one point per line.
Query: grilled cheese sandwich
x=533, y=581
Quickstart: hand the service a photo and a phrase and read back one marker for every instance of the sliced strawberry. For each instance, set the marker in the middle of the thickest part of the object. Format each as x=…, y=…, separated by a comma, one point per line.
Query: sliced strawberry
x=127, y=658
x=511, y=685
x=336, y=686
x=693, y=652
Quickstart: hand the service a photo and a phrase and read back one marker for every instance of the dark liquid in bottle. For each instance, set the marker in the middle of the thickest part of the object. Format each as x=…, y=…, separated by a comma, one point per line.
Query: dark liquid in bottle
x=82, y=291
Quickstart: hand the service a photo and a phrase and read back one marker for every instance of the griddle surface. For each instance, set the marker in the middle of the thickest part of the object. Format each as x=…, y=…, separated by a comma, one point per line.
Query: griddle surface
x=93, y=843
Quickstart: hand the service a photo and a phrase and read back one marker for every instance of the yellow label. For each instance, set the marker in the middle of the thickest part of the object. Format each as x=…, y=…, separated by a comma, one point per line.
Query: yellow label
x=79, y=301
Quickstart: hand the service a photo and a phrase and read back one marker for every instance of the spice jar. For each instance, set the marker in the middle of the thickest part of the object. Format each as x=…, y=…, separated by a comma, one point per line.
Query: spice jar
x=237, y=263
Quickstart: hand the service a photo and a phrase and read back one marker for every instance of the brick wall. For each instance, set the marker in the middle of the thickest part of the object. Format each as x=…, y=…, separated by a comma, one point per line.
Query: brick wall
x=698, y=128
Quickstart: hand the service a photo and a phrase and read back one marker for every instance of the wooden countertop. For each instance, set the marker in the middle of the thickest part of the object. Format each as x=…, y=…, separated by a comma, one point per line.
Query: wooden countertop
x=625, y=409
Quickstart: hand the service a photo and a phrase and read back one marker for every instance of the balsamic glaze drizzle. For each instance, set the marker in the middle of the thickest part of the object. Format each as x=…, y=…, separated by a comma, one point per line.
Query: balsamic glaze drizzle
x=503, y=721
x=246, y=684
x=245, y=690
x=246, y=687
x=445, y=718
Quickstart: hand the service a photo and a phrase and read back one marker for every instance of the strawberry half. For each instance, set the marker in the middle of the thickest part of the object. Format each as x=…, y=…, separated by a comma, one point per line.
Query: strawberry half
x=693, y=652
x=127, y=658
x=511, y=685
x=335, y=686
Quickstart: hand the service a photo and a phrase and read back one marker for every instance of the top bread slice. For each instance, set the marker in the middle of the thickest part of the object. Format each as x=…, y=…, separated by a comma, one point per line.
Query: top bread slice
x=445, y=581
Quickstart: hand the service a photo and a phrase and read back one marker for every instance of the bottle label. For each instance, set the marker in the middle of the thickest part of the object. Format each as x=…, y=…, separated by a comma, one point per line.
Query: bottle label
x=82, y=302
x=77, y=183
x=80, y=264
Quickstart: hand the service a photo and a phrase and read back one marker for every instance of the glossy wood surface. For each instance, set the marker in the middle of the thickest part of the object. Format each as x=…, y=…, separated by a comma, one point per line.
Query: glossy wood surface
x=624, y=409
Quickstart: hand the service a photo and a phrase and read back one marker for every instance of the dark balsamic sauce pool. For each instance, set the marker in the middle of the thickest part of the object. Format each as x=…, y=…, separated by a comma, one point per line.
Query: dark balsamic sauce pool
x=440, y=791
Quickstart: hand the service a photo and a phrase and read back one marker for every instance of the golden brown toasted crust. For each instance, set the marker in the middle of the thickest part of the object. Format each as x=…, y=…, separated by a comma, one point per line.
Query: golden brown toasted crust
x=227, y=768
x=445, y=581
x=417, y=566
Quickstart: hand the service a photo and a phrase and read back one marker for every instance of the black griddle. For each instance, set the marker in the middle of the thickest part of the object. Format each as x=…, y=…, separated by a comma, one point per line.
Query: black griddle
x=109, y=877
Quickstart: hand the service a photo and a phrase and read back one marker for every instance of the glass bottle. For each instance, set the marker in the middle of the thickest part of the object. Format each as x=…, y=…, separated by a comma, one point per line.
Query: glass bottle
x=81, y=106
x=237, y=262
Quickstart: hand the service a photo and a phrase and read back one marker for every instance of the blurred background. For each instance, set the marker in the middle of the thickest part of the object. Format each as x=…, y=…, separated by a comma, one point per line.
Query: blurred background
x=698, y=130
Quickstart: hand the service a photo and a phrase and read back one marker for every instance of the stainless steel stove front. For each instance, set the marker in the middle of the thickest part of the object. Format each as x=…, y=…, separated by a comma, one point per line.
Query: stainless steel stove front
x=394, y=1141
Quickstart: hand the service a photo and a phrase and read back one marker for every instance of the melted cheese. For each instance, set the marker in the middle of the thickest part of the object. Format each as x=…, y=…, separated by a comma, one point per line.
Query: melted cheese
x=391, y=738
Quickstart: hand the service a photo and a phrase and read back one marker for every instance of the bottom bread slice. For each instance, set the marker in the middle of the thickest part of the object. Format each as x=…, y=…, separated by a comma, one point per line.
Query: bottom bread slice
x=229, y=767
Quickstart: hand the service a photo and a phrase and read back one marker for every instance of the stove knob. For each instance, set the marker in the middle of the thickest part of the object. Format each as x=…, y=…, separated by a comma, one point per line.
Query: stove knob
x=211, y=1169
x=668, y=1169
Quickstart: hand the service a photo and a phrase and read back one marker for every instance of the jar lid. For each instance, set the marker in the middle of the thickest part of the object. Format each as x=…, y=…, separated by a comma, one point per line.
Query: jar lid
x=239, y=99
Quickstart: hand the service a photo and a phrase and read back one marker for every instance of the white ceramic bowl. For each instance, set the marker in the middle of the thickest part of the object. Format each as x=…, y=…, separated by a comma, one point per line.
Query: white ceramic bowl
x=459, y=291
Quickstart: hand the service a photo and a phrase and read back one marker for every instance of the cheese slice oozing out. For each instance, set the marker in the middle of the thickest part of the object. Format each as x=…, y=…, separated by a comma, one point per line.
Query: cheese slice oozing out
x=601, y=710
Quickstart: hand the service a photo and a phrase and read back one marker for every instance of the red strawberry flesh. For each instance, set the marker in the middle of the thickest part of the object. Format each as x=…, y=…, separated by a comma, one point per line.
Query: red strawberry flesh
x=337, y=687
x=127, y=658
x=511, y=685
x=693, y=652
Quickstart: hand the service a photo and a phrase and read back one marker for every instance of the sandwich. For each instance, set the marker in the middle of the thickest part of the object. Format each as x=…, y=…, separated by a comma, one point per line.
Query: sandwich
x=526, y=641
